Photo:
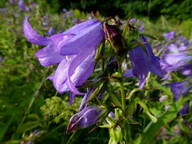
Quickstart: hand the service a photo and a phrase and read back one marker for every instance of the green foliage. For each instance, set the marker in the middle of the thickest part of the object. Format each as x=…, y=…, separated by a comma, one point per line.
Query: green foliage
x=55, y=109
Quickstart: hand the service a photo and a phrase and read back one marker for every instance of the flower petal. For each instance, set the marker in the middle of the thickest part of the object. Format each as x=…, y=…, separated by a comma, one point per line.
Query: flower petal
x=78, y=28
x=32, y=36
x=84, y=118
x=89, y=37
x=49, y=56
x=174, y=61
x=60, y=75
x=76, y=62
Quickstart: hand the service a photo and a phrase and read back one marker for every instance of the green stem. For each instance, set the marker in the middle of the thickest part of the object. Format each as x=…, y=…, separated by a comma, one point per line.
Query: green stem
x=121, y=86
x=32, y=100
x=122, y=96
x=69, y=141
x=55, y=129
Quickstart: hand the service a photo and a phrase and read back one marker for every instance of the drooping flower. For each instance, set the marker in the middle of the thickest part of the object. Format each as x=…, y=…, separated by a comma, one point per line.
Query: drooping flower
x=176, y=55
x=174, y=61
x=74, y=49
x=180, y=89
x=22, y=6
x=85, y=118
x=143, y=62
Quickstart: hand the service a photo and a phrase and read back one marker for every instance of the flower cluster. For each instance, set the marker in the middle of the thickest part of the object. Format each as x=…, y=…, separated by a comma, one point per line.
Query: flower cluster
x=177, y=57
x=77, y=54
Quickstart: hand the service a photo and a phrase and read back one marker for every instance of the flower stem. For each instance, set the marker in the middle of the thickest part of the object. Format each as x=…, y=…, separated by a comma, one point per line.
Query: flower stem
x=122, y=96
x=32, y=101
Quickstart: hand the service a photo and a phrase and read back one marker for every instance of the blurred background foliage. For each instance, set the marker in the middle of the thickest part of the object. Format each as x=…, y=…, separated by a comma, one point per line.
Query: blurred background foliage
x=177, y=10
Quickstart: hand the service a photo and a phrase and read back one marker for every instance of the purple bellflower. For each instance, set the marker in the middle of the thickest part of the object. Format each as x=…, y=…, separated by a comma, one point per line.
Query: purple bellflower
x=176, y=55
x=187, y=70
x=73, y=49
x=22, y=6
x=174, y=61
x=51, y=31
x=180, y=89
x=169, y=35
x=85, y=118
x=12, y=1
x=142, y=63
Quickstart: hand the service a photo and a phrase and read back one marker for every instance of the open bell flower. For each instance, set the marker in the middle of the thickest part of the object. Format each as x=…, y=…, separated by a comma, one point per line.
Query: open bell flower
x=143, y=62
x=174, y=61
x=73, y=49
x=85, y=118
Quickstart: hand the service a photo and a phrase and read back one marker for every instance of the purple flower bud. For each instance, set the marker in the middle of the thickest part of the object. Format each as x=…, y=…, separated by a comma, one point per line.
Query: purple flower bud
x=22, y=6
x=1, y=58
x=75, y=20
x=34, y=4
x=187, y=70
x=116, y=40
x=84, y=118
x=74, y=49
x=71, y=13
x=35, y=131
x=64, y=10
x=89, y=16
x=51, y=31
x=169, y=36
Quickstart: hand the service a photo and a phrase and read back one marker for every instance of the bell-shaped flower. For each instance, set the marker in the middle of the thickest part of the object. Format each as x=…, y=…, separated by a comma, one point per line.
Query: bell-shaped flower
x=74, y=49
x=85, y=118
x=174, y=61
x=187, y=70
x=180, y=89
x=143, y=62
x=51, y=31
x=22, y=6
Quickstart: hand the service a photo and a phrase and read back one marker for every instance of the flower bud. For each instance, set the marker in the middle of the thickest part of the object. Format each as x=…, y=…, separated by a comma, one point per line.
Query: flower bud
x=117, y=41
x=86, y=117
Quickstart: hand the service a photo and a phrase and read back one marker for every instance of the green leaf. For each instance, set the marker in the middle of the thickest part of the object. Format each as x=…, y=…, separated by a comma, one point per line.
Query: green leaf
x=4, y=127
x=144, y=106
x=148, y=35
x=29, y=126
x=162, y=88
x=133, y=45
x=151, y=130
